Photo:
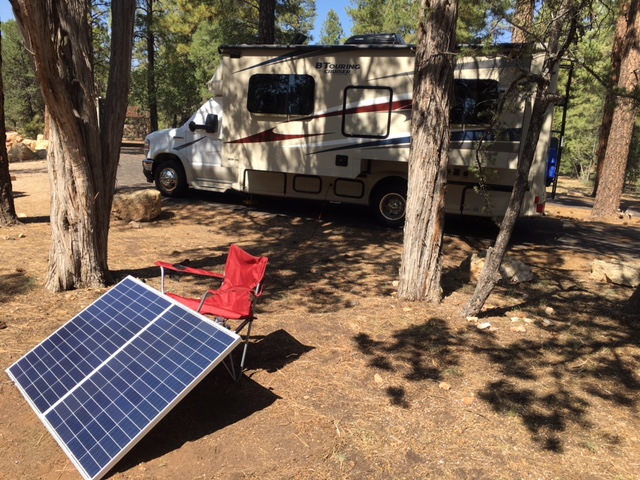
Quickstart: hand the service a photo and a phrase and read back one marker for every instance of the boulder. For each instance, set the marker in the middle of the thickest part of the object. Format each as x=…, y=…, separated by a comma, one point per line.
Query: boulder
x=627, y=274
x=40, y=146
x=511, y=270
x=139, y=206
x=20, y=152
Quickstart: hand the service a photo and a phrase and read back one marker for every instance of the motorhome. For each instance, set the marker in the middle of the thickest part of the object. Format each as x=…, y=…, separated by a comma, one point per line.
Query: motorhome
x=332, y=123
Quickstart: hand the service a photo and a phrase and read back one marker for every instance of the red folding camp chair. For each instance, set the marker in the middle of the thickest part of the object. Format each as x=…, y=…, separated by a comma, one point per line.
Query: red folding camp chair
x=242, y=285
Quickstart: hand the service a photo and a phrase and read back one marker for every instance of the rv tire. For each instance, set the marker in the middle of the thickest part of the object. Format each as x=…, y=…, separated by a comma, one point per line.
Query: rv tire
x=170, y=179
x=389, y=201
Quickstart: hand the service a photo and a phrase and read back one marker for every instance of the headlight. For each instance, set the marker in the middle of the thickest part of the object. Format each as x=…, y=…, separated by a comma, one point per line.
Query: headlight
x=147, y=146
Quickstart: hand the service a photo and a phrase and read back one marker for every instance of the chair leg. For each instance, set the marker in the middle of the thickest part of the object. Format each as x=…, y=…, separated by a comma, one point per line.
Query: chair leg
x=231, y=367
x=244, y=349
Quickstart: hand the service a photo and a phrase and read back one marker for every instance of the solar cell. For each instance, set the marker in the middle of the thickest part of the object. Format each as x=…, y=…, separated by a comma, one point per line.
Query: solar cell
x=105, y=378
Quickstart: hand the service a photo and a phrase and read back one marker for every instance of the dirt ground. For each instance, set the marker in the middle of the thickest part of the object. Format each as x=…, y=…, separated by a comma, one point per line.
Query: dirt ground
x=344, y=380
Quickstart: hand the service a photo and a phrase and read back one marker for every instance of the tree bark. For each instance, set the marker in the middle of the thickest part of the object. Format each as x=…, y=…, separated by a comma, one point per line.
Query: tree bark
x=84, y=149
x=523, y=21
x=421, y=265
x=151, y=74
x=611, y=181
x=7, y=208
x=267, y=22
x=610, y=98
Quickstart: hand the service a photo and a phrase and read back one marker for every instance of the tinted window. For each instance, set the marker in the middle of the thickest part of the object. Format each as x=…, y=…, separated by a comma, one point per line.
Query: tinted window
x=475, y=101
x=281, y=94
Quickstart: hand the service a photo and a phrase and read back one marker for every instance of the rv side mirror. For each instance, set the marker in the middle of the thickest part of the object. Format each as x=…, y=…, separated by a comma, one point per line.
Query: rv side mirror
x=210, y=124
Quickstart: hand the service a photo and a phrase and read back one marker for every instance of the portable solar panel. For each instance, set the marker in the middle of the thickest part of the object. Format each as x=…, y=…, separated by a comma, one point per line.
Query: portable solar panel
x=106, y=377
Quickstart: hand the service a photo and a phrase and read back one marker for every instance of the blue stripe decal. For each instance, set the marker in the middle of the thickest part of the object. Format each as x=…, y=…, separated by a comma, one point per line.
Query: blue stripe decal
x=376, y=144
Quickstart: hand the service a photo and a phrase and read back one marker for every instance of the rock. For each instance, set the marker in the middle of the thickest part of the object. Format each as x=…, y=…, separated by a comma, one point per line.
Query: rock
x=511, y=270
x=514, y=271
x=139, y=206
x=484, y=326
x=40, y=146
x=20, y=153
x=469, y=400
x=444, y=386
x=615, y=272
x=377, y=378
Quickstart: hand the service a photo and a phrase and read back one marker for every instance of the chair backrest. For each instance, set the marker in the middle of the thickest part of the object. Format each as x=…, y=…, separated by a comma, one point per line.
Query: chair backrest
x=243, y=274
x=244, y=270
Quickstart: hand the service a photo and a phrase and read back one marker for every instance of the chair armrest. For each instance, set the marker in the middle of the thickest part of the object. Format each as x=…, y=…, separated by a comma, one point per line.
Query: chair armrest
x=188, y=270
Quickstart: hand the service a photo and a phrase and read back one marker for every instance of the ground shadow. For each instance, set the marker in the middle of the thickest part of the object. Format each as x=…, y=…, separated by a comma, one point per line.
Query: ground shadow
x=419, y=353
x=212, y=405
x=217, y=401
x=550, y=380
x=12, y=284
x=585, y=359
x=274, y=351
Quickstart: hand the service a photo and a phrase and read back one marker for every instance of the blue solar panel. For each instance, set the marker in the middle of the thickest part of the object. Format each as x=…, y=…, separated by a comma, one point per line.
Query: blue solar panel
x=106, y=377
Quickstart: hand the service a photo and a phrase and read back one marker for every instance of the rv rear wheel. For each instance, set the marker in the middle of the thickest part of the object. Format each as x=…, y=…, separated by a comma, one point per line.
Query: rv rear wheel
x=170, y=179
x=388, y=202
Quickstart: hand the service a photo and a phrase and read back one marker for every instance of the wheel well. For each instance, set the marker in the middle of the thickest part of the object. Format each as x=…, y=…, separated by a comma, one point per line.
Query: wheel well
x=386, y=182
x=164, y=157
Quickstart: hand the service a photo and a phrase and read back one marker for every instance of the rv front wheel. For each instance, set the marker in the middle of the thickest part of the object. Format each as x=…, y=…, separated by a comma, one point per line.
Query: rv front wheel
x=388, y=203
x=170, y=179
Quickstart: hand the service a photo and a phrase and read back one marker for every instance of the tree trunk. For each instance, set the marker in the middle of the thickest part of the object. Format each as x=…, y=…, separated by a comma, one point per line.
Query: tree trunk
x=267, y=22
x=151, y=74
x=421, y=266
x=610, y=98
x=495, y=255
x=523, y=21
x=611, y=180
x=84, y=149
x=544, y=97
x=7, y=208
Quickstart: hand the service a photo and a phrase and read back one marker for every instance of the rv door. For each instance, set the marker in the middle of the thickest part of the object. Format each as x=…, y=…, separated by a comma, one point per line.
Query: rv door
x=204, y=148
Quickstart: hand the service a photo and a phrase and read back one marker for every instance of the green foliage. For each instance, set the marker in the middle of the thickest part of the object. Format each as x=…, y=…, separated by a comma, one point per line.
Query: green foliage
x=24, y=105
x=292, y=17
x=187, y=36
x=331, y=32
x=101, y=46
x=401, y=17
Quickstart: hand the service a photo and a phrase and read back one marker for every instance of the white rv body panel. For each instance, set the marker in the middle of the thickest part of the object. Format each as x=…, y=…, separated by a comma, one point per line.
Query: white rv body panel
x=333, y=123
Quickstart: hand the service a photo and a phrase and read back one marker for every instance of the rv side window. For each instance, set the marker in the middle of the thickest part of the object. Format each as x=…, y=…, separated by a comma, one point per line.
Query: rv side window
x=475, y=101
x=367, y=112
x=281, y=94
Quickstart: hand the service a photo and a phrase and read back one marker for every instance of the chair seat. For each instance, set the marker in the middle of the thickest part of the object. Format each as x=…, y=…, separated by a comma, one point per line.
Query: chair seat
x=210, y=307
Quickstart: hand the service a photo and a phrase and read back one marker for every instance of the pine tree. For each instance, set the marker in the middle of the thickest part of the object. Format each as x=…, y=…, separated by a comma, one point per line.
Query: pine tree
x=331, y=32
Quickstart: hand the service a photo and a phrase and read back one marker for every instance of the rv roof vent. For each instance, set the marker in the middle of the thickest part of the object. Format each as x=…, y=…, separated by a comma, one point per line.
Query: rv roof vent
x=375, y=39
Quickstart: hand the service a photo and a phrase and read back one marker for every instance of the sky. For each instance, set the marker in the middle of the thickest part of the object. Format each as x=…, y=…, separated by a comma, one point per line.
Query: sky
x=5, y=11
x=322, y=8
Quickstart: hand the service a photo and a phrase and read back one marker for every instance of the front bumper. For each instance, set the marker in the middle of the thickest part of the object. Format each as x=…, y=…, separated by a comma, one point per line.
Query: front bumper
x=147, y=169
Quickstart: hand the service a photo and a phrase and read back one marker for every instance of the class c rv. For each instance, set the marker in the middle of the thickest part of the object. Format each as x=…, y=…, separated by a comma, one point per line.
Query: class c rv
x=332, y=123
